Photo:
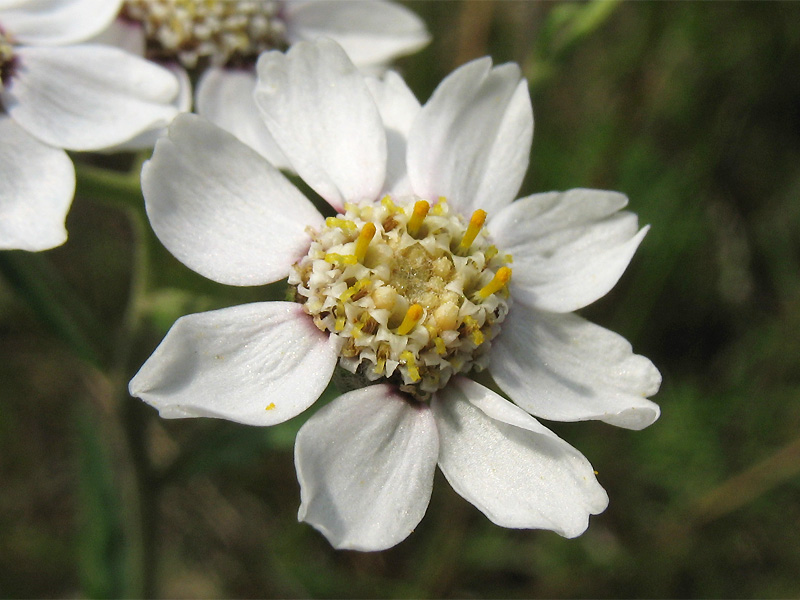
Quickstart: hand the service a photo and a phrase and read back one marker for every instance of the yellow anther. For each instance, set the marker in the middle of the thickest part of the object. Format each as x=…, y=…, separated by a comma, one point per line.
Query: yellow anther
x=475, y=224
x=411, y=364
x=440, y=347
x=360, y=324
x=341, y=259
x=340, y=323
x=364, y=238
x=491, y=252
x=340, y=223
x=477, y=337
x=380, y=365
x=388, y=204
x=421, y=208
x=501, y=278
x=270, y=406
x=438, y=208
x=354, y=289
x=508, y=258
x=413, y=315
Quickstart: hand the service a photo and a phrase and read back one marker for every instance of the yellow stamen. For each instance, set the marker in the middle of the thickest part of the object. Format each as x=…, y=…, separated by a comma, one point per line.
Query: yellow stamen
x=354, y=289
x=364, y=238
x=421, y=208
x=413, y=315
x=342, y=259
x=388, y=204
x=470, y=323
x=491, y=252
x=411, y=364
x=440, y=347
x=360, y=322
x=340, y=323
x=380, y=365
x=475, y=224
x=474, y=330
x=382, y=354
x=438, y=208
x=340, y=223
x=501, y=278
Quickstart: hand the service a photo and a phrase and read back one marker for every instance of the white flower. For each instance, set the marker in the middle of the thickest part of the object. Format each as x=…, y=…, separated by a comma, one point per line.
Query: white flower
x=398, y=175
x=55, y=94
x=223, y=38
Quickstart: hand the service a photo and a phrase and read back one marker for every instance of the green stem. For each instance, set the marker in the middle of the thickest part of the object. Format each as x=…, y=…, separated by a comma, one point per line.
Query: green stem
x=133, y=416
x=57, y=305
x=113, y=187
x=139, y=500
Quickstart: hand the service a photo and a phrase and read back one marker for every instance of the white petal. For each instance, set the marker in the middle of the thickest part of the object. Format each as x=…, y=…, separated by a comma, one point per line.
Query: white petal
x=258, y=364
x=125, y=35
x=225, y=97
x=222, y=209
x=319, y=110
x=372, y=33
x=365, y=463
x=564, y=368
x=88, y=97
x=55, y=22
x=517, y=472
x=37, y=183
x=471, y=141
x=182, y=103
x=398, y=107
x=569, y=248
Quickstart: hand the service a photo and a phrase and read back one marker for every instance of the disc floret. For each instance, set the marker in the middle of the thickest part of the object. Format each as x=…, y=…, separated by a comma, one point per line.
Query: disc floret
x=217, y=31
x=414, y=292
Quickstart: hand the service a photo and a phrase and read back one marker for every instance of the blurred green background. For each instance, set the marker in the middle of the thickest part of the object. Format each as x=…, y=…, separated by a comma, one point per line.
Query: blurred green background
x=693, y=111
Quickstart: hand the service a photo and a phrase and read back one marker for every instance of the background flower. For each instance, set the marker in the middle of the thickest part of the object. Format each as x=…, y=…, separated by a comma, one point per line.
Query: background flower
x=218, y=43
x=56, y=94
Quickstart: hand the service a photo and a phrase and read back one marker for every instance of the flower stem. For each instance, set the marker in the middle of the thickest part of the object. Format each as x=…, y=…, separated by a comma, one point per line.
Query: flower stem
x=112, y=187
x=57, y=305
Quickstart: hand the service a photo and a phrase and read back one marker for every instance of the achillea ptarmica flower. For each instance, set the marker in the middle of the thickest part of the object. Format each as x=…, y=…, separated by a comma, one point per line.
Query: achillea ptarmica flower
x=220, y=40
x=427, y=273
x=56, y=93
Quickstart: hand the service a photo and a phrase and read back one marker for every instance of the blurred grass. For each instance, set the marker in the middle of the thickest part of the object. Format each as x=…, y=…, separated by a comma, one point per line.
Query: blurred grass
x=693, y=110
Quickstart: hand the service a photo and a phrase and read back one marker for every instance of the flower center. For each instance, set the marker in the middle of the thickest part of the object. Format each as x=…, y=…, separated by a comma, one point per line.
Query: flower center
x=219, y=31
x=415, y=293
x=6, y=57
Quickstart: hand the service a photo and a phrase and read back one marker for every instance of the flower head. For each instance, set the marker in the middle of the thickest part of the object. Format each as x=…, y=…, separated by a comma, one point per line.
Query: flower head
x=219, y=42
x=56, y=93
x=427, y=273
x=219, y=32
